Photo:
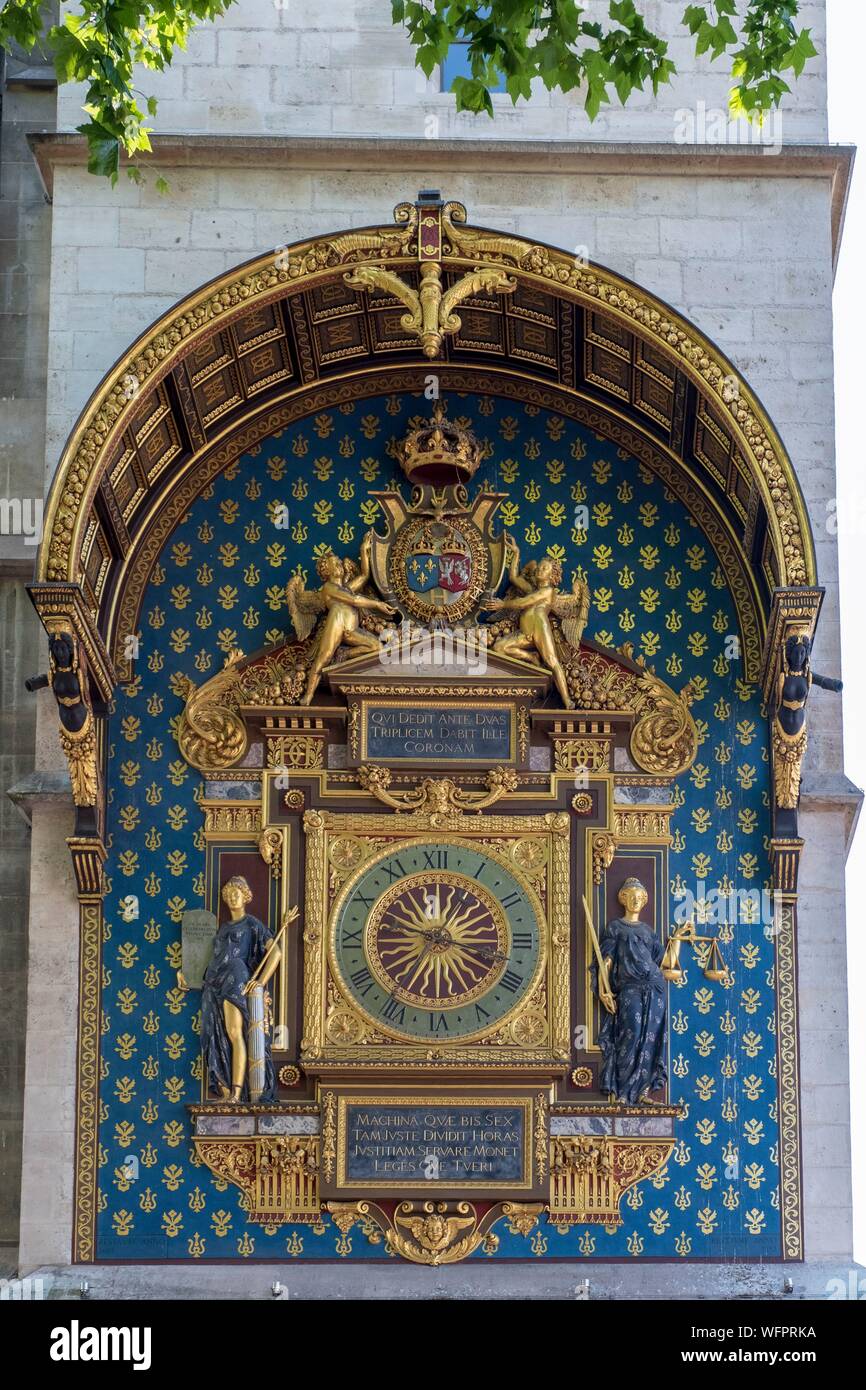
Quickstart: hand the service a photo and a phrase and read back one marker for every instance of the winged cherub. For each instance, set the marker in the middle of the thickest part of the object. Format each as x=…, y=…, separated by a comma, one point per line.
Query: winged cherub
x=434, y=1233
x=341, y=600
x=538, y=596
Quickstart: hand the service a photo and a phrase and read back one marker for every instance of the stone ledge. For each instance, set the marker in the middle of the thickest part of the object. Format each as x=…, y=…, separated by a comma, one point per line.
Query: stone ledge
x=374, y=1280
x=37, y=788
x=834, y=792
x=557, y=158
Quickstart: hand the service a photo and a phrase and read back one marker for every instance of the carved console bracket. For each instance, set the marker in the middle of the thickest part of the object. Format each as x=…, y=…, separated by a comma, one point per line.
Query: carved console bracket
x=81, y=678
x=598, y=1153
x=437, y=796
x=787, y=681
x=435, y=1233
x=269, y=1152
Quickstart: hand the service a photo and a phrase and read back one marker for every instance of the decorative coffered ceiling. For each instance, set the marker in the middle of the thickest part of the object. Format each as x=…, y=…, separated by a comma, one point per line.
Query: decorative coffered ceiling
x=286, y=336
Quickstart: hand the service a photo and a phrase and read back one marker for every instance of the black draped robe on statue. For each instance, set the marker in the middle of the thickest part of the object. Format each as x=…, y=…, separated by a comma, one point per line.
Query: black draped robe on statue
x=237, y=950
x=632, y=1040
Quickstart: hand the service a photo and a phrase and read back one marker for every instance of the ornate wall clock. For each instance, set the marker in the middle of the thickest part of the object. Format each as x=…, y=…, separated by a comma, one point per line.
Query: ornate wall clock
x=453, y=938
x=437, y=940
x=436, y=821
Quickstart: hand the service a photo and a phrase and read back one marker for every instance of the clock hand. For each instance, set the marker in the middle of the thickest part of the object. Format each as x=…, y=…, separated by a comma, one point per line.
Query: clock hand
x=405, y=926
x=487, y=951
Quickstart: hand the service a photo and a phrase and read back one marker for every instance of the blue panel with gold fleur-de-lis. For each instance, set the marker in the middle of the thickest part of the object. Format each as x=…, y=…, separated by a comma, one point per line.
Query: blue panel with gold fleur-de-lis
x=219, y=583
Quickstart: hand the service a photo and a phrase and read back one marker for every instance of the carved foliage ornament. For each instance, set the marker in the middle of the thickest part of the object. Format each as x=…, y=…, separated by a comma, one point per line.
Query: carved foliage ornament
x=437, y=798
x=211, y=731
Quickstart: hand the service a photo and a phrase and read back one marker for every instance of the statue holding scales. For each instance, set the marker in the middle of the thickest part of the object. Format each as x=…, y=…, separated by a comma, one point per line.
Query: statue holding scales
x=628, y=980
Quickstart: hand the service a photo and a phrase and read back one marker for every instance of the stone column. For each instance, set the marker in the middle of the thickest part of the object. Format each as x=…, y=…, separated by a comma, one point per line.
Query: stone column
x=48, y=1167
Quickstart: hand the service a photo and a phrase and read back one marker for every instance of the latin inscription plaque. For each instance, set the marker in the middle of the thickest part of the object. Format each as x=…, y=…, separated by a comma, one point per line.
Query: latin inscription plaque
x=438, y=733
x=435, y=1143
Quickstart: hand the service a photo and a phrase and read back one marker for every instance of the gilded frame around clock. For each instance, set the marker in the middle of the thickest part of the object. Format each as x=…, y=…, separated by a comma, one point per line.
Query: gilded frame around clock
x=522, y=881
x=549, y=994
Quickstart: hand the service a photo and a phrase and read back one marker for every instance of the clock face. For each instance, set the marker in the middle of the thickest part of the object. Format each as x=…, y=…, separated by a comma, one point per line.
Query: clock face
x=437, y=940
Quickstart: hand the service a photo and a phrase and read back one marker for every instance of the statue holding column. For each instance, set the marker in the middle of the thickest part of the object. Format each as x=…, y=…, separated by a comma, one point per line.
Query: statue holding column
x=235, y=1028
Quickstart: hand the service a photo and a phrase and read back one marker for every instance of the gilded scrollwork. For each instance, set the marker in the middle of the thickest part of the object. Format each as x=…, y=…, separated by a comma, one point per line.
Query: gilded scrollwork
x=435, y=1233
x=522, y=1217
x=271, y=849
x=664, y=739
x=603, y=850
x=430, y=315
x=437, y=798
x=210, y=732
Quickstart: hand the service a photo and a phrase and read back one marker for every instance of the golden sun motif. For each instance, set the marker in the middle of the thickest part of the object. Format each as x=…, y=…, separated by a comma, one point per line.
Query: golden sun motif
x=437, y=940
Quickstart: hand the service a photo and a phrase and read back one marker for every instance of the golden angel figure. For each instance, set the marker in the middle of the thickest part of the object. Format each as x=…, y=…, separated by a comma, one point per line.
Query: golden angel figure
x=341, y=600
x=538, y=596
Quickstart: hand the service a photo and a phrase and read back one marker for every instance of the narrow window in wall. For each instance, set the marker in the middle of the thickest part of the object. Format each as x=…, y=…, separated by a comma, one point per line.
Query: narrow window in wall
x=456, y=62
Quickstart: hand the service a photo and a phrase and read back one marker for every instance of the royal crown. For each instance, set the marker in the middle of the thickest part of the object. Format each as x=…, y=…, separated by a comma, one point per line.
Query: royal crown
x=438, y=540
x=439, y=452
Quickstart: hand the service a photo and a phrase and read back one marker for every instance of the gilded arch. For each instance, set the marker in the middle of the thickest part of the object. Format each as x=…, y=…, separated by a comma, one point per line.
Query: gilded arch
x=285, y=334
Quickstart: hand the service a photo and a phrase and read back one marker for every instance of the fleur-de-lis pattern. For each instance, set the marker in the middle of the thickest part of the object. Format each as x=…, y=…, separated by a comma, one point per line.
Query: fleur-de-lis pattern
x=219, y=583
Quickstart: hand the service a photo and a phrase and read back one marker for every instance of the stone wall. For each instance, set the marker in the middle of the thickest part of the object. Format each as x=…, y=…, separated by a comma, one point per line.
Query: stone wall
x=301, y=67
x=25, y=242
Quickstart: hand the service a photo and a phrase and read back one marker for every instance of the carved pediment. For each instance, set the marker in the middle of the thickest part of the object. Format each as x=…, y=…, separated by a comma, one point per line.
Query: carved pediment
x=212, y=731
x=426, y=660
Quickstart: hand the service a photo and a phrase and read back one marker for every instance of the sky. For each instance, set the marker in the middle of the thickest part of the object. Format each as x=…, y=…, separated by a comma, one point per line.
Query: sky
x=846, y=42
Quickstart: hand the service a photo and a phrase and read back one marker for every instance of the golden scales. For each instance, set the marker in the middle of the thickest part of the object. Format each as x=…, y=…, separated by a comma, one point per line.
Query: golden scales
x=711, y=961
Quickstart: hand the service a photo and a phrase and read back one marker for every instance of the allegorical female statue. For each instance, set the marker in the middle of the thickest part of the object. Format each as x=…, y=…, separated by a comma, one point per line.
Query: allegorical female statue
x=234, y=1030
x=631, y=988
